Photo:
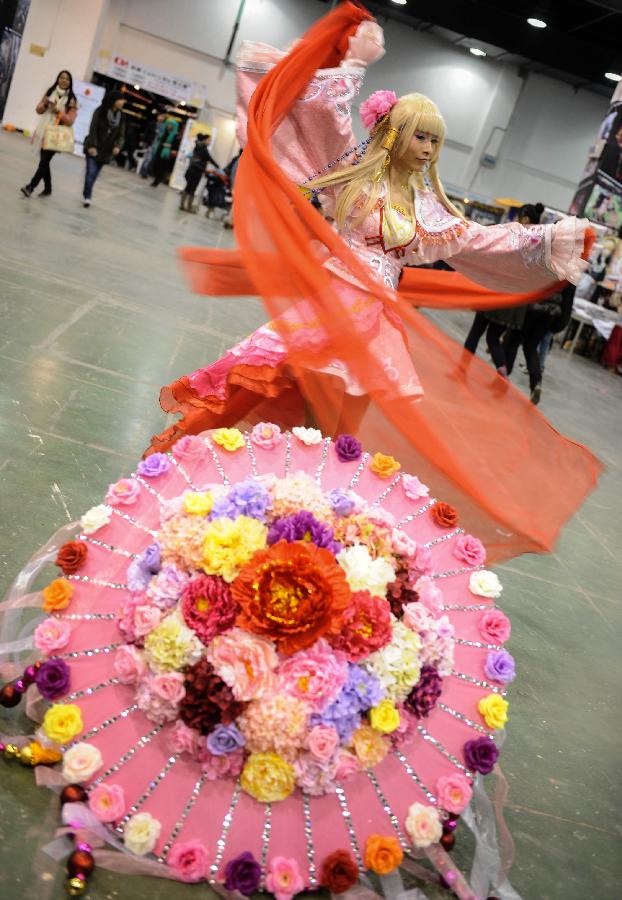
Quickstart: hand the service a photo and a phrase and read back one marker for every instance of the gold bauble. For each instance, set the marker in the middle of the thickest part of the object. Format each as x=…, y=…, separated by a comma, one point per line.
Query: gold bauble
x=75, y=887
x=25, y=756
x=11, y=751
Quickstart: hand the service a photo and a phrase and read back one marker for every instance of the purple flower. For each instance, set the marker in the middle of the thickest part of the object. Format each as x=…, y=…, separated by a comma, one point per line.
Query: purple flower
x=361, y=691
x=481, y=755
x=500, y=666
x=303, y=526
x=53, y=679
x=247, y=498
x=424, y=696
x=150, y=561
x=341, y=502
x=154, y=465
x=243, y=874
x=224, y=739
x=137, y=576
x=344, y=725
x=347, y=448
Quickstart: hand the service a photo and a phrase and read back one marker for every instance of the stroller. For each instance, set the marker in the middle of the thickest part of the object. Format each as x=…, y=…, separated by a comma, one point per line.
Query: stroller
x=216, y=194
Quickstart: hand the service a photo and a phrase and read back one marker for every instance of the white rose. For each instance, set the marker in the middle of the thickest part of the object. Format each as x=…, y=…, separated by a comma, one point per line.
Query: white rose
x=308, y=435
x=364, y=573
x=80, y=762
x=95, y=517
x=141, y=833
x=485, y=584
x=423, y=825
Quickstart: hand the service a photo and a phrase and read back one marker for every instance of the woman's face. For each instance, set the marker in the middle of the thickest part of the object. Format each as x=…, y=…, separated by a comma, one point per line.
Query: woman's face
x=118, y=104
x=422, y=149
x=64, y=81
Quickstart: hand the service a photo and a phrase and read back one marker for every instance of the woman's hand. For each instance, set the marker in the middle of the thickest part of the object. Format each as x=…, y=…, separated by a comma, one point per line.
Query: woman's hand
x=92, y=151
x=366, y=46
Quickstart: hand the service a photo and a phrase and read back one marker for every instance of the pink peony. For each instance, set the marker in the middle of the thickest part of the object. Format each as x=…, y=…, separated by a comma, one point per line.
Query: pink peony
x=495, y=626
x=208, y=607
x=322, y=741
x=416, y=617
x=429, y=595
x=229, y=765
x=107, y=802
x=402, y=544
x=128, y=665
x=123, y=493
x=182, y=739
x=347, y=765
x=376, y=107
x=423, y=560
x=189, y=861
x=145, y=618
x=283, y=878
x=246, y=662
x=154, y=706
x=169, y=687
x=314, y=777
x=470, y=550
x=315, y=675
x=266, y=435
x=454, y=792
x=52, y=635
x=407, y=729
x=366, y=626
x=189, y=447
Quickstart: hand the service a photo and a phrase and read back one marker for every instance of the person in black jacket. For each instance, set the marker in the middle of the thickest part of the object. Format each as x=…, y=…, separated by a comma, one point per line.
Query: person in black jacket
x=104, y=140
x=196, y=167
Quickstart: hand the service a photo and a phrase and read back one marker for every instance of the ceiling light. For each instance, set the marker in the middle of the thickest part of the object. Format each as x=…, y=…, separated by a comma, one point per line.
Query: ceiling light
x=536, y=23
x=400, y=2
x=182, y=102
x=136, y=87
x=476, y=51
x=613, y=76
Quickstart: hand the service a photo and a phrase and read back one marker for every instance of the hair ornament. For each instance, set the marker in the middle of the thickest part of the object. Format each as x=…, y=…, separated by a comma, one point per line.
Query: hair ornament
x=377, y=106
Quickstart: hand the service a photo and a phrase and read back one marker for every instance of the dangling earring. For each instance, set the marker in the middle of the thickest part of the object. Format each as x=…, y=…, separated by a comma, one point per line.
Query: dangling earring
x=387, y=144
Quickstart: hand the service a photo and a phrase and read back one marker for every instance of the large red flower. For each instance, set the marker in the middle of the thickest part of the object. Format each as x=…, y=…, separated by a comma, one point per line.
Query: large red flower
x=292, y=593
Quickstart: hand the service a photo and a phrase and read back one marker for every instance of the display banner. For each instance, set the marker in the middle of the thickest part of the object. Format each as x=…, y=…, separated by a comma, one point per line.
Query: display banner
x=89, y=97
x=155, y=81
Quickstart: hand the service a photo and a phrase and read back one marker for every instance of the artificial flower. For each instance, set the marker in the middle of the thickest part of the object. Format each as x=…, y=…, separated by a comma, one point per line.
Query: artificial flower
x=481, y=754
x=246, y=662
x=208, y=607
x=208, y=699
x=494, y=709
x=292, y=594
x=95, y=518
x=165, y=588
x=485, y=584
x=397, y=665
x=383, y=853
x=51, y=635
x=322, y=742
x=189, y=447
x=425, y=694
x=266, y=435
x=303, y=526
x=182, y=739
x=188, y=860
x=228, y=765
x=384, y=466
x=494, y=626
x=246, y=498
x=278, y=724
x=53, y=679
x=348, y=448
x=283, y=879
x=347, y=765
x=499, y=666
x=429, y=595
x=454, y=792
x=309, y=436
x=71, y=556
x=361, y=691
x=423, y=562
x=230, y=439
x=444, y=515
x=154, y=465
x=296, y=492
x=153, y=704
x=198, y=503
x=142, y=830
x=402, y=544
x=423, y=825
x=470, y=550
x=107, y=801
x=172, y=645
x=364, y=573
x=128, y=665
x=267, y=777
x=229, y=544
x=339, y=872
x=342, y=502
x=57, y=595
x=384, y=718
x=224, y=739
x=243, y=874
x=124, y=492
x=366, y=626
x=80, y=762
x=413, y=488
x=315, y=675
x=63, y=722
x=376, y=107
x=314, y=777
x=145, y=618
x=370, y=747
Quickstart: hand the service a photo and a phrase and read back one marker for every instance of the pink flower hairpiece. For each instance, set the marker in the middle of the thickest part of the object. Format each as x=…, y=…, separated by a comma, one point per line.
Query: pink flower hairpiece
x=376, y=107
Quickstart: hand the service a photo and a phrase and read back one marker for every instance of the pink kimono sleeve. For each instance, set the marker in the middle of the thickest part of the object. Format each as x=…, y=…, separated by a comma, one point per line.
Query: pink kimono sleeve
x=318, y=129
x=515, y=259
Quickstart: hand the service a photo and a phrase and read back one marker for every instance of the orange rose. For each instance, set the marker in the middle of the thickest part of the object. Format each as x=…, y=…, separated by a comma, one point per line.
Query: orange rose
x=57, y=595
x=382, y=854
x=384, y=466
x=71, y=557
x=444, y=515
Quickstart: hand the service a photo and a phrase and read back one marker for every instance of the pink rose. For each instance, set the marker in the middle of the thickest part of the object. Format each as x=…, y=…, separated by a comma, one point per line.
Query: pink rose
x=315, y=675
x=52, y=635
x=402, y=544
x=429, y=595
x=322, y=742
x=495, y=626
x=246, y=662
x=470, y=550
x=128, y=664
x=169, y=687
x=423, y=560
x=182, y=739
x=191, y=446
x=416, y=617
x=266, y=435
x=189, y=861
x=107, y=802
x=229, y=765
x=413, y=488
x=347, y=765
x=154, y=706
x=407, y=729
x=381, y=517
x=454, y=792
x=123, y=492
x=145, y=619
x=283, y=878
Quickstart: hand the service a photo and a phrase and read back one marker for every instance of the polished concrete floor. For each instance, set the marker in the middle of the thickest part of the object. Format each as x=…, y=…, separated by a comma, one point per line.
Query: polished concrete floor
x=94, y=317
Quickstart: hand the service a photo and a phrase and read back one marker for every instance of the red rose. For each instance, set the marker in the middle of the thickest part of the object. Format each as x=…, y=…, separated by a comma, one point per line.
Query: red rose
x=72, y=556
x=444, y=515
x=339, y=872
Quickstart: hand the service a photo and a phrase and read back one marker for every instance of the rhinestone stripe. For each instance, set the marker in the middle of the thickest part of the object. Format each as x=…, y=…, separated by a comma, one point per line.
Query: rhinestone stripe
x=98, y=582
x=148, y=487
x=444, y=537
x=102, y=727
x=86, y=617
x=265, y=843
x=359, y=470
x=94, y=651
x=458, y=607
x=217, y=462
x=415, y=777
x=451, y=572
x=387, y=491
x=120, y=828
x=436, y=743
x=463, y=718
x=477, y=644
x=182, y=472
x=387, y=808
x=251, y=454
x=133, y=521
x=483, y=684
x=309, y=839
x=105, y=546
x=86, y=692
x=222, y=840
x=184, y=815
x=416, y=515
x=322, y=465
x=288, y=453
x=345, y=812
x=140, y=743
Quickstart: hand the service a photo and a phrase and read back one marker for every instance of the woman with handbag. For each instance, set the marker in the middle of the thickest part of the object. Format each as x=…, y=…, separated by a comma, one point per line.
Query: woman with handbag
x=105, y=139
x=58, y=109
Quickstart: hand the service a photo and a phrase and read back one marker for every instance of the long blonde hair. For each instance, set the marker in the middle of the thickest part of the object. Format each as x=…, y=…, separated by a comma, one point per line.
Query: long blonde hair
x=411, y=113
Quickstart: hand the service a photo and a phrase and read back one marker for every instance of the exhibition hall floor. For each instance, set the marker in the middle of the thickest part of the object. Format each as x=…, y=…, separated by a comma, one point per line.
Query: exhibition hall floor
x=94, y=318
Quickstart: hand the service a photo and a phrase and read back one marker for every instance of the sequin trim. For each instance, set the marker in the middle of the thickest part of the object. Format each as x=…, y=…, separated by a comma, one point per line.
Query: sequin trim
x=345, y=812
x=217, y=462
x=148, y=487
x=443, y=538
x=442, y=749
x=320, y=469
x=99, y=582
x=451, y=573
x=134, y=522
x=458, y=715
x=140, y=743
x=265, y=843
x=118, y=550
x=179, y=824
x=120, y=828
x=103, y=726
x=288, y=453
x=86, y=692
x=412, y=774
x=309, y=840
x=416, y=515
x=94, y=651
x=222, y=840
x=359, y=471
x=388, y=810
x=483, y=684
x=182, y=472
x=387, y=491
x=251, y=454
x=459, y=607
x=478, y=644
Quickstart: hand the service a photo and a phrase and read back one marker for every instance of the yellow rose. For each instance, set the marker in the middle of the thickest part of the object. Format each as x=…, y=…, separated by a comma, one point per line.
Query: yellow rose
x=228, y=438
x=198, y=504
x=494, y=710
x=229, y=544
x=267, y=777
x=369, y=746
x=63, y=722
x=384, y=717
x=57, y=595
x=384, y=466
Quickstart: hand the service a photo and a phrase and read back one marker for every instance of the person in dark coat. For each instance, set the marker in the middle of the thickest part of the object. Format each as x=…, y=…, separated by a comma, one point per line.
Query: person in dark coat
x=200, y=158
x=104, y=140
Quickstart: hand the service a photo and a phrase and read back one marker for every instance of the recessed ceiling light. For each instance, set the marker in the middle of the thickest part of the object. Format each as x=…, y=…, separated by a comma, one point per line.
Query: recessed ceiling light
x=476, y=51
x=400, y=2
x=536, y=23
x=613, y=76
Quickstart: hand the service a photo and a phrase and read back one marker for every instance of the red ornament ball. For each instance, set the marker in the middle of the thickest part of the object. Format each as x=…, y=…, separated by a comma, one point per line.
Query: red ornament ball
x=9, y=696
x=73, y=793
x=448, y=840
x=80, y=863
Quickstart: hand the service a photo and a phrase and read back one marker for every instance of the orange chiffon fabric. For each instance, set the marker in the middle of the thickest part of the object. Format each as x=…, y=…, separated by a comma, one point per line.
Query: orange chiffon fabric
x=477, y=439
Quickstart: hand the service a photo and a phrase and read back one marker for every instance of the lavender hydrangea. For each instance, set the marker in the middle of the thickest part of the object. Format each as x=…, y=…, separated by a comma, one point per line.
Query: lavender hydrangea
x=303, y=526
x=361, y=691
x=341, y=502
x=247, y=498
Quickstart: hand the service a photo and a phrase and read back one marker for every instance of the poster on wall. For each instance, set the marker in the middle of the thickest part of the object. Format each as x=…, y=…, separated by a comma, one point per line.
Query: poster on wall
x=599, y=193
x=89, y=97
x=192, y=129
x=12, y=23
x=155, y=81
